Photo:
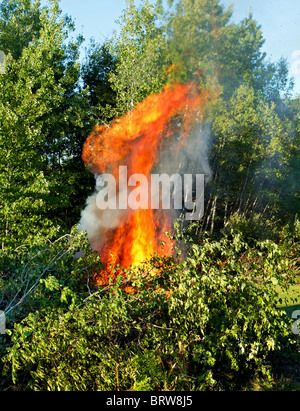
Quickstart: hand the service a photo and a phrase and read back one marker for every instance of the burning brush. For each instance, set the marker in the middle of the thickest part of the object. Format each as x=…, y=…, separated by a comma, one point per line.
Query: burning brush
x=135, y=142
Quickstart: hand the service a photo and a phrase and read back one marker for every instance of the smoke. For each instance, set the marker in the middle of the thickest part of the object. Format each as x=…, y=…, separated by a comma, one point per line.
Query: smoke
x=96, y=222
x=192, y=158
x=159, y=136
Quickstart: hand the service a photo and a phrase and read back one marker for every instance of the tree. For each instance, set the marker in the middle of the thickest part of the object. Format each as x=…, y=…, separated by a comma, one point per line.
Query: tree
x=204, y=44
x=247, y=152
x=289, y=202
x=253, y=128
x=20, y=23
x=41, y=116
x=194, y=29
x=276, y=85
x=95, y=72
x=140, y=51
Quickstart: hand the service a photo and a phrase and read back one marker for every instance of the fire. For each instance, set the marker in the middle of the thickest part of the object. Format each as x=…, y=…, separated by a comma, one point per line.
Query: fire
x=135, y=141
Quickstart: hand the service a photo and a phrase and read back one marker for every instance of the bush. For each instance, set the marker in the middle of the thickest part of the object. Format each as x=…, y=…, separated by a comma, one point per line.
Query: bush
x=206, y=322
x=44, y=275
x=254, y=226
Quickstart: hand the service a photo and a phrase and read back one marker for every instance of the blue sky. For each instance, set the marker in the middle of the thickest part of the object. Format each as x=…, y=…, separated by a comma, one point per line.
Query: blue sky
x=280, y=21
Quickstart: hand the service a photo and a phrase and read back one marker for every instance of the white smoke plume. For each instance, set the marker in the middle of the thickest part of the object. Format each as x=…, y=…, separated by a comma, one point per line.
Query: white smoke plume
x=96, y=221
x=193, y=158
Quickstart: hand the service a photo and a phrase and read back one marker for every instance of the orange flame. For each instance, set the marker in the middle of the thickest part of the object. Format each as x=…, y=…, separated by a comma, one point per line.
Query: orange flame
x=134, y=141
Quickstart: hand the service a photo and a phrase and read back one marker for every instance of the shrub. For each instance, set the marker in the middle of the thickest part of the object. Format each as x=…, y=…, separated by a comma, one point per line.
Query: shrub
x=44, y=275
x=207, y=321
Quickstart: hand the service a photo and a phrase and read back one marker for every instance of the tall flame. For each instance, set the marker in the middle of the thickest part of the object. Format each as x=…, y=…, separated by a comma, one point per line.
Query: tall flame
x=134, y=141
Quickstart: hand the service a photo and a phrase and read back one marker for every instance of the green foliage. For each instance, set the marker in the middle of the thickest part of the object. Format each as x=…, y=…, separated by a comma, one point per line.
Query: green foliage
x=195, y=29
x=248, y=150
x=41, y=115
x=45, y=275
x=205, y=322
x=19, y=24
x=203, y=42
x=140, y=53
x=96, y=70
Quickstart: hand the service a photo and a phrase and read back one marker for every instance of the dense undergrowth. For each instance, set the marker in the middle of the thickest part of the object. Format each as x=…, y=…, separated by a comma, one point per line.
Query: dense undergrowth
x=205, y=319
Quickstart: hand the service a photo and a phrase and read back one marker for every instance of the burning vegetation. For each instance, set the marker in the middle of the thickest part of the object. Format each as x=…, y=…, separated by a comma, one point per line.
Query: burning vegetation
x=161, y=122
